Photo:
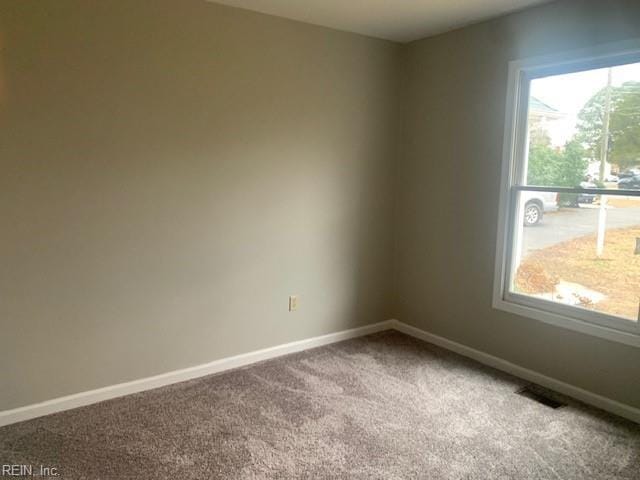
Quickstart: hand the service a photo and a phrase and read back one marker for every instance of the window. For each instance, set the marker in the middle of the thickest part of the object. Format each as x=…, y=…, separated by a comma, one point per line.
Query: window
x=568, y=249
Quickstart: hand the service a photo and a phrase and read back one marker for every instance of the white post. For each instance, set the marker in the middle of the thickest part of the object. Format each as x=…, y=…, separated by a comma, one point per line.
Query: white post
x=602, y=226
x=604, y=150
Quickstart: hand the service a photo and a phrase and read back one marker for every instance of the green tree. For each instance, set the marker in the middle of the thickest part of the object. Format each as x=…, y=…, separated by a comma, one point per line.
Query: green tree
x=557, y=167
x=543, y=161
x=573, y=165
x=624, y=128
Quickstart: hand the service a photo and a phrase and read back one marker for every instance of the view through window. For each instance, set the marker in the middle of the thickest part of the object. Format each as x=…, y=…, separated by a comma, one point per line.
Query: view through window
x=578, y=243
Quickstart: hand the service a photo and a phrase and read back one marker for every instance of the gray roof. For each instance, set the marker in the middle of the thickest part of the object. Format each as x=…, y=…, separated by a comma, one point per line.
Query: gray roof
x=541, y=107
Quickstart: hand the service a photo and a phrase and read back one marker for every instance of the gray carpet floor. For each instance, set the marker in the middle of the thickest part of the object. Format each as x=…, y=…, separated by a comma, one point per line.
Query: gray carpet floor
x=383, y=406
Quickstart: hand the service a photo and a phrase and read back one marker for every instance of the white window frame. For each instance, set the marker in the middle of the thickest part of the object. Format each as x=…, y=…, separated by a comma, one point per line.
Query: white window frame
x=521, y=72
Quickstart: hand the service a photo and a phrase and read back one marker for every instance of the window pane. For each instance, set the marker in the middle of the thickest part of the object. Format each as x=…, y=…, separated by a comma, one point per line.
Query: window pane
x=584, y=128
x=556, y=254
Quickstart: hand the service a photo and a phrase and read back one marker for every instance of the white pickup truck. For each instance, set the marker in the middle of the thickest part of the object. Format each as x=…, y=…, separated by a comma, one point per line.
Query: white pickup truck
x=536, y=204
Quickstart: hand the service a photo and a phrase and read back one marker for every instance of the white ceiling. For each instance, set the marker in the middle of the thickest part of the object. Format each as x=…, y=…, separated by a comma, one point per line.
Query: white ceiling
x=399, y=20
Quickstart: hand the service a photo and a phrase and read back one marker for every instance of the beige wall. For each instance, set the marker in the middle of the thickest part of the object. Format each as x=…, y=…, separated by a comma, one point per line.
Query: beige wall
x=448, y=184
x=171, y=172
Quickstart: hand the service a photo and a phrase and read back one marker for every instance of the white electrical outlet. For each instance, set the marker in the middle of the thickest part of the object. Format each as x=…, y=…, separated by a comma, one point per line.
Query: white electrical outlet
x=293, y=303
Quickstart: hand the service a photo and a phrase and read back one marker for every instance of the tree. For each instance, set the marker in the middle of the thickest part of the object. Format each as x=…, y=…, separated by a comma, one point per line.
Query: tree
x=543, y=162
x=625, y=127
x=573, y=165
x=624, y=133
x=557, y=167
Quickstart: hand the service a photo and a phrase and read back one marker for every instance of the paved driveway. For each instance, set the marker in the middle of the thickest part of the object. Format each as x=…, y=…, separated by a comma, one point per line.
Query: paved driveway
x=571, y=223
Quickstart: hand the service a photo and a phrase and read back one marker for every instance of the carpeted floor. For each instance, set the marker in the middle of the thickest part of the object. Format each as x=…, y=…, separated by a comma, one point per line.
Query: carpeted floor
x=384, y=406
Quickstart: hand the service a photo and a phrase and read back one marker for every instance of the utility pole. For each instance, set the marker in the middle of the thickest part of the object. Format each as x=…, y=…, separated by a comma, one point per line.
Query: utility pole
x=604, y=151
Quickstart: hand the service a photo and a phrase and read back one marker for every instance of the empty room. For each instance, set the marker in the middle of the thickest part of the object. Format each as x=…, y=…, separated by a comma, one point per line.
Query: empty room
x=260, y=239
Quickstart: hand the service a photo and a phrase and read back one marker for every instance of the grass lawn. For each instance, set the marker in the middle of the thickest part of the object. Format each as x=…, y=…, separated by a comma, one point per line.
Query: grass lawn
x=616, y=274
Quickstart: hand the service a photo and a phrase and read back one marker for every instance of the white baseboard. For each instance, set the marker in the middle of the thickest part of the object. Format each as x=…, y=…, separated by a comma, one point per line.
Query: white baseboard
x=93, y=396
x=612, y=406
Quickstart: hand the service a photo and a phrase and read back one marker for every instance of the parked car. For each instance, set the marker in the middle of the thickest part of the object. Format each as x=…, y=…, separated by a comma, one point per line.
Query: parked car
x=632, y=172
x=586, y=197
x=629, y=183
x=612, y=179
x=537, y=204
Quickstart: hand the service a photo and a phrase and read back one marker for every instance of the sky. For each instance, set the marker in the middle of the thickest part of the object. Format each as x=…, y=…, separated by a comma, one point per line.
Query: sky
x=568, y=94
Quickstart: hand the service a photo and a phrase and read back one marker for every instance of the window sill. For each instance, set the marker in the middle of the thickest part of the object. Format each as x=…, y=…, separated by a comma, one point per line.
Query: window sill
x=567, y=322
